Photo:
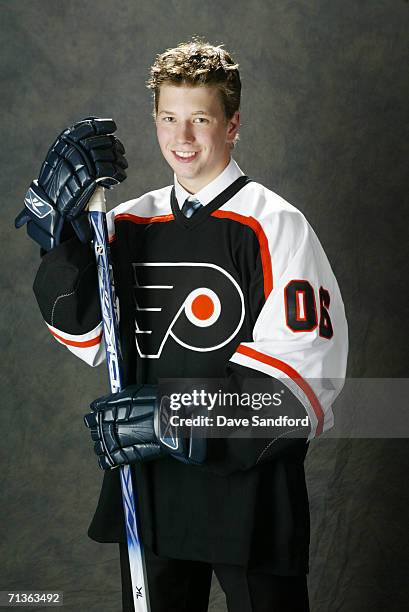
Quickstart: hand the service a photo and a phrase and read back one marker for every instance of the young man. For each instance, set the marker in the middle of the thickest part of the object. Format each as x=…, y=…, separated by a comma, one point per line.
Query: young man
x=216, y=276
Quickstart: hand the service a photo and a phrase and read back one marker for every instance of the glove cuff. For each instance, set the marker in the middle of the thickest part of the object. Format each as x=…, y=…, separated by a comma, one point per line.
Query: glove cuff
x=37, y=201
x=44, y=223
x=173, y=439
x=166, y=433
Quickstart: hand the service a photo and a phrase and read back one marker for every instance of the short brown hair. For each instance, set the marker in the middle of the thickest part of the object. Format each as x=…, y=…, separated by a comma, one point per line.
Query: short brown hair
x=197, y=62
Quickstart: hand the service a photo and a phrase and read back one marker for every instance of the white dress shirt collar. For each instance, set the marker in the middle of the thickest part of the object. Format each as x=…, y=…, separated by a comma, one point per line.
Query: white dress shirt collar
x=212, y=189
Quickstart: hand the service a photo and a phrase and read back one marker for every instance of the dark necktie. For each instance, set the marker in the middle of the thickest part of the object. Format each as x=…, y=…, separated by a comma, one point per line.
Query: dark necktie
x=190, y=207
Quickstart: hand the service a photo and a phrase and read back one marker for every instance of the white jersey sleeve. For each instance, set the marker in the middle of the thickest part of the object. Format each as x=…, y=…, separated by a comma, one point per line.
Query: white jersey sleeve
x=300, y=335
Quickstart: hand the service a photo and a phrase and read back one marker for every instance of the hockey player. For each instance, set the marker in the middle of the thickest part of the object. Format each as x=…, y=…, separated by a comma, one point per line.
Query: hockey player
x=216, y=276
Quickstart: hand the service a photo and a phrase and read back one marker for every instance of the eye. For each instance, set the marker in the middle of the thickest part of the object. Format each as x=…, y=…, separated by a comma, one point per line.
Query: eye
x=168, y=119
x=200, y=120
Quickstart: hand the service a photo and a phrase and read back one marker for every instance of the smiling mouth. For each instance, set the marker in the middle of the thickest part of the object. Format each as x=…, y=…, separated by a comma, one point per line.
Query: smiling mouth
x=185, y=156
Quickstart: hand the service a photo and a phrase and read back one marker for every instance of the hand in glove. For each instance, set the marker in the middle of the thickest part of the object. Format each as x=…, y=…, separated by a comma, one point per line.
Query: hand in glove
x=134, y=425
x=84, y=156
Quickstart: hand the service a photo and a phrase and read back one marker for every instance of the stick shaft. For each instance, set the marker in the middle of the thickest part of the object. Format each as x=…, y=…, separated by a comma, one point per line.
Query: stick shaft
x=114, y=361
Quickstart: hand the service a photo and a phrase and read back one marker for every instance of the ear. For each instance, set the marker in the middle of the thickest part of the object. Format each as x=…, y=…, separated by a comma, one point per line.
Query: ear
x=233, y=126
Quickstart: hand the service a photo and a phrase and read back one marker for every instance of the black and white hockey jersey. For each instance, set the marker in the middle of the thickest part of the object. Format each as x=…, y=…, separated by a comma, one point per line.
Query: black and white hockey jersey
x=243, y=287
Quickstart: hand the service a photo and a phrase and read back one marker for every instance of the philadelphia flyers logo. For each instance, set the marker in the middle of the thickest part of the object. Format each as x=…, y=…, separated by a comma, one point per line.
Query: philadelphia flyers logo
x=198, y=305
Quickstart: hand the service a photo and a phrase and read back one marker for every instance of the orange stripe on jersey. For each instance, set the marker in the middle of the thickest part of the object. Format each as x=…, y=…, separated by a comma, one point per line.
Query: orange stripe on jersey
x=136, y=219
x=142, y=220
x=83, y=344
x=293, y=374
x=263, y=242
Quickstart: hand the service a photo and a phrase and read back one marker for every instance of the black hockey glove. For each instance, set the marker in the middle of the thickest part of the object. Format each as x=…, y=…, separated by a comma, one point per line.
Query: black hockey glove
x=83, y=156
x=134, y=426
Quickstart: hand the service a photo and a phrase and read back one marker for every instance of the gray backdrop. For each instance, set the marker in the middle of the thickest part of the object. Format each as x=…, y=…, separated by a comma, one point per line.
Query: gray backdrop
x=325, y=96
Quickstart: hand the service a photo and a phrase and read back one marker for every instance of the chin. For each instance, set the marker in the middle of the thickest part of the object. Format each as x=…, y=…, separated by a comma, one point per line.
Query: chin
x=189, y=173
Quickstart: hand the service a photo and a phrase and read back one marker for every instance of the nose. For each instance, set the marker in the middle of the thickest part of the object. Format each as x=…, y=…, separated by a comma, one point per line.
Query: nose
x=184, y=132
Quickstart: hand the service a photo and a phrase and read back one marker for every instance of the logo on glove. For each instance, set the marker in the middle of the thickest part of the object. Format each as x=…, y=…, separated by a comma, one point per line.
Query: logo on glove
x=38, y=207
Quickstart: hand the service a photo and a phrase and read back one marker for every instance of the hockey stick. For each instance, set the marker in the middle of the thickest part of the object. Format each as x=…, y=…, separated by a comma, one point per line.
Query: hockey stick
x=97, y=216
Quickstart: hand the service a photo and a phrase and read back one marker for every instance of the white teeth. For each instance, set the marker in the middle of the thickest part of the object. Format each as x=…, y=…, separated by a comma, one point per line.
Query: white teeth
x=185, y=153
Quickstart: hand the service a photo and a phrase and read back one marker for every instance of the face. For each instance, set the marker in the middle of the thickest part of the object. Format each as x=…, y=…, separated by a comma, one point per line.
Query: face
x=193, y=133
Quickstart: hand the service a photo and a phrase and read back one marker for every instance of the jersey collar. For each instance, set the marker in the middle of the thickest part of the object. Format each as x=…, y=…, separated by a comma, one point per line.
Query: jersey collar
x=205, y=211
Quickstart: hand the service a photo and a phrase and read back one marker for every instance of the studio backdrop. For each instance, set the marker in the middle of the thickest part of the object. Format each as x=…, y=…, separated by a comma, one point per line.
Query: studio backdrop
x=325, y=125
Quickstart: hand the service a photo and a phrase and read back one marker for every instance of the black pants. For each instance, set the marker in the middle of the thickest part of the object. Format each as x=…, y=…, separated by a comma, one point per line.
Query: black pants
x=184, y=586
